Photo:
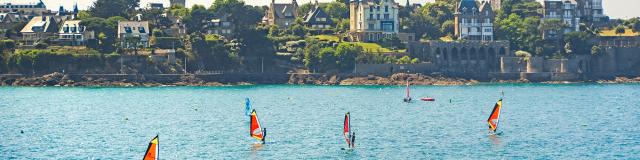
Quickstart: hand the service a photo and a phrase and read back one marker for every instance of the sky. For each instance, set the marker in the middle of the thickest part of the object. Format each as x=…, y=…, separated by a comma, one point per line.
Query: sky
x=613, y=8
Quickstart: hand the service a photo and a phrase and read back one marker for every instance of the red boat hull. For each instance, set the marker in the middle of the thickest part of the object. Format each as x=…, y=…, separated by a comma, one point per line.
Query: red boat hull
x=428, y=99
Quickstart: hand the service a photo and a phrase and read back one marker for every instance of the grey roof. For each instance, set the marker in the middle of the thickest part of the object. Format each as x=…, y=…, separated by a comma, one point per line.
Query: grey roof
x=41, y=24
x=468, y=4
x=485, y=5
x=317, y=12
x=281, y=9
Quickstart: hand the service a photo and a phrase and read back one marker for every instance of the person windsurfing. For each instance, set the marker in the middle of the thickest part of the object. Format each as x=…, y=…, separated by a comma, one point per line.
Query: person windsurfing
x=494, y=117
x=408, y=98
x=255, y=129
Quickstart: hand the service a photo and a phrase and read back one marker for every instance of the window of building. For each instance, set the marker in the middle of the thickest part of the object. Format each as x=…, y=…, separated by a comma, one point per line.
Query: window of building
x=386, y=16
x=386, y=8
x=371, y=26
x=371, y=9
x=370, y=16
x=378, y=16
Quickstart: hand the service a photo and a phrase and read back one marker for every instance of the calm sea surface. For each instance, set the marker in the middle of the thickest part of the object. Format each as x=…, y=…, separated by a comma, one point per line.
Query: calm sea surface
x=586, y=121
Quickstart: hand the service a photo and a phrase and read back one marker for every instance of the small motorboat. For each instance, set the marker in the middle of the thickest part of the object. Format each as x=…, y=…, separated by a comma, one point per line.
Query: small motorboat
x=428, y=99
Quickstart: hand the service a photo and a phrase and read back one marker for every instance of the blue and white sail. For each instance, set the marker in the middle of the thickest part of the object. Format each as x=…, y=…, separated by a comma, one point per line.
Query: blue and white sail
x=247, y=104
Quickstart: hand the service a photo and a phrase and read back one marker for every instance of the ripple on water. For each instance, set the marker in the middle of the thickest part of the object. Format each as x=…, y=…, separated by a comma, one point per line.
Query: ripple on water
x=305, y=122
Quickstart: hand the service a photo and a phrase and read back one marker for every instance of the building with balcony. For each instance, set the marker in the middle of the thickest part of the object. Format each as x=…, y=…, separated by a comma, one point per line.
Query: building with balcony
x=24, y=8
x=591, y=11
x=133, y=34
x=373, y=20
x=221, y=26
x=38, y=30
x=565, y=11
x=73, y=34
x=474, y=20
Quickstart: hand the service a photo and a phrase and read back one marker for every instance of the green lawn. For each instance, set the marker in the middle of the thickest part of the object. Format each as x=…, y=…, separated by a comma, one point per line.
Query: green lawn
x=328, y=38
x=368, y=47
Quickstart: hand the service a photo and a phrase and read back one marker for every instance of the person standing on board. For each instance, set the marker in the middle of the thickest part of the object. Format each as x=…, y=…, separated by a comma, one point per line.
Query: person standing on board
x=353, y=140
x=264, y=135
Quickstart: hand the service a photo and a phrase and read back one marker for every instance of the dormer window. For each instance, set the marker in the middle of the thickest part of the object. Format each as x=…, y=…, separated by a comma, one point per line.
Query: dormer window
x=128, y=29
x=141, y=30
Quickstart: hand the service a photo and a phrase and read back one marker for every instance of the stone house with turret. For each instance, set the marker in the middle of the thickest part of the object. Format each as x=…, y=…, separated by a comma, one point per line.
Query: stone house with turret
x=282, y=15
x=474, y=20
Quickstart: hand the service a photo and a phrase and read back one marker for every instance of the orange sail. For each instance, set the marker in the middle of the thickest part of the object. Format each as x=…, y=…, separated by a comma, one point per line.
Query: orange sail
x=254, y=128
x=153, y=150
x=494, y=119
x=347, y=128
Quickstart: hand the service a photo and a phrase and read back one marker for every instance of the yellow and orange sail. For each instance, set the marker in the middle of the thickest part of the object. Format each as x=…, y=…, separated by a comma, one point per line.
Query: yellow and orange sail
x=153, y=150
x=347, y=128
x=254, y=128
x=494, y=118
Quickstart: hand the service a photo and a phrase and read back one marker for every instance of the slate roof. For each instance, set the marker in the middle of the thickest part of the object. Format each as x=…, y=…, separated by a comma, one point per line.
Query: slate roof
x=468, y=4
x=37, y=24
x=317, y=12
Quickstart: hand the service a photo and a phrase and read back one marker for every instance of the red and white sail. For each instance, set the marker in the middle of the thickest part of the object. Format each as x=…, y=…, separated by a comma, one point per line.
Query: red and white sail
x=153, y=150
x=494, y=118
x=255, y=130
x=347, y=128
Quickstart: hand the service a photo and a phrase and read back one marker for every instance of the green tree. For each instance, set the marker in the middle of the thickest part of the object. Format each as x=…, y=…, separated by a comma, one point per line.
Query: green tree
x=596, y=50
x=346, y=54
x=620, y=29
x=327, y=59
x=195, y=21
x=110, y=8
x=404, y=60
x=579, y=42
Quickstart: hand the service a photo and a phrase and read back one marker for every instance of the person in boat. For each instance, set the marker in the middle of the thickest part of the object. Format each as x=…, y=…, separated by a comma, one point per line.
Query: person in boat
x=264, y=135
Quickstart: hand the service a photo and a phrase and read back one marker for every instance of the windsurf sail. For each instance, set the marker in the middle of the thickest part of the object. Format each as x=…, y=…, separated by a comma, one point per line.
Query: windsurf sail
x=247, y=108
x=153, y=150
x=494, y=118
x=347, y=128
x=255, y=130
x=408, y=95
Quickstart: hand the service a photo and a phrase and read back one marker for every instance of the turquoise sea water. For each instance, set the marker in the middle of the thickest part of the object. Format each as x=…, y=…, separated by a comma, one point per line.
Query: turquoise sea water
x=585, y=121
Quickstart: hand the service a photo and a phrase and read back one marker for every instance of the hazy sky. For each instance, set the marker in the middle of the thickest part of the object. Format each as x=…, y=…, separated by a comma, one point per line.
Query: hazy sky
x=613, y=8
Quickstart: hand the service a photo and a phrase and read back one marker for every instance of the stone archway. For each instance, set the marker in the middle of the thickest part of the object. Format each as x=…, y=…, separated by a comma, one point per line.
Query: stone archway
x=454, y=54
x=482, y=54
x=503, y=51
x=473, y=53
x=465, y=54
